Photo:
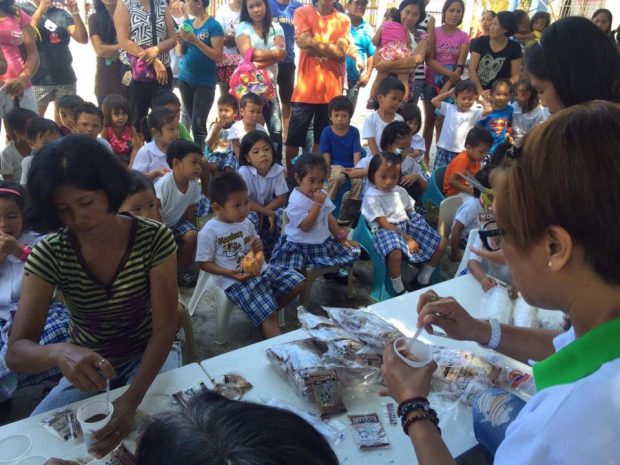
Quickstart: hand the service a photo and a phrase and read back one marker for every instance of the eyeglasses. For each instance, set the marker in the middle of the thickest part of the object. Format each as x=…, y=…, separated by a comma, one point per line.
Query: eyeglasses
x=491, y=236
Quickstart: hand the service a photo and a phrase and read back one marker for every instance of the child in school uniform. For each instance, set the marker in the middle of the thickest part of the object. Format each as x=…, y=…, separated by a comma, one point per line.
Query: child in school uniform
x=218, y=149
x=39, y=132
x=390, y=95
x=251, y=109
x=225, y=241
x=413, y=117
x=160, y=130
x=13, y=154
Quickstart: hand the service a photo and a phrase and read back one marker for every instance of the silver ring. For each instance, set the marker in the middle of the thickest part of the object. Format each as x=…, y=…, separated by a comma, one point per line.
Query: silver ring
x=101, y=362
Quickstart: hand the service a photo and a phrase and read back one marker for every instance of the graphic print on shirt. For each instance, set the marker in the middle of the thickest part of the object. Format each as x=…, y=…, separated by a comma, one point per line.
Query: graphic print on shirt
x=498, y=125
x=489, y=68
x=232, y=247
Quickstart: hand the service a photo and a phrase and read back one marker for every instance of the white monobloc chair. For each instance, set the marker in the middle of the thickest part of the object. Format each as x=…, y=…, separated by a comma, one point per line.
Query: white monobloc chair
x=473, y=234
x=447, y=211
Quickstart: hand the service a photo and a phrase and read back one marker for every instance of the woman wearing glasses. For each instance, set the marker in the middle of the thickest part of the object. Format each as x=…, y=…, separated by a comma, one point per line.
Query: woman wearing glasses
x=563, y=252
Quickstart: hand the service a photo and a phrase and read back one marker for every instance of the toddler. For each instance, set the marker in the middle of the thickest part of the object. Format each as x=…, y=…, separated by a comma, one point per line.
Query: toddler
x=39, y=132
x=65, y=112
x=251, y=108
x=527, y=111
x=11, y=158
x=477, y=145
x=539, y=22
x=499, y=121
x=117, y=129
x=161, y=125
x=218, y=150
x=89, y=122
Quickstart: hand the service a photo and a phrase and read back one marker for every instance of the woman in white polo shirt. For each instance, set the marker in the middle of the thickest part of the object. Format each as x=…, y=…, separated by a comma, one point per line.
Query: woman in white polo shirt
x=563, y=253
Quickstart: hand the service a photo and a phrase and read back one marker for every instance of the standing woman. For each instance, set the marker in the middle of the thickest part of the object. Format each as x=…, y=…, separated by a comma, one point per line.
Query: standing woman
x=133, y=21
x=200, y=49
x=257, y=31
x=496, y=56
x=53, y=29
x=108, y=77
x=228, y=16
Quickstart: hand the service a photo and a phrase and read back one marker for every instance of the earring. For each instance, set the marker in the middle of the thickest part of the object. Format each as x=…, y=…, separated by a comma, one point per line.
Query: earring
x=550, y=265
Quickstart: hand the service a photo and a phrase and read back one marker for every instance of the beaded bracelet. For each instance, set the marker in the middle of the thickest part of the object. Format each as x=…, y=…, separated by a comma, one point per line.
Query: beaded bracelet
x=406, y=423
x=423, y=401
x=25, y=253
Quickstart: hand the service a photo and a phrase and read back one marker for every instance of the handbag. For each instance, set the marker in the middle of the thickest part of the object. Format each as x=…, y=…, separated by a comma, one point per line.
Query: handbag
x=141, y=71
x=247, y=77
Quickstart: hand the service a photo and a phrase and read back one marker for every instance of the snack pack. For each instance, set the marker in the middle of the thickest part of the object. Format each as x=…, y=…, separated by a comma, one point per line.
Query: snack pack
x=233, y=386
x=63, y=424
x=253, y=263
x=368, y=432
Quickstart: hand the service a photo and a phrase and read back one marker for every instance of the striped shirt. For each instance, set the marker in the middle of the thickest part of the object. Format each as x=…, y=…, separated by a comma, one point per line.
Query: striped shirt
x=113, y=320
x=420, y=33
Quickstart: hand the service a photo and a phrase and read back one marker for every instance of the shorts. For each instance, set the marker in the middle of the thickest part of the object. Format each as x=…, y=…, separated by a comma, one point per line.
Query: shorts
x=443, y=157
x=203, y=206
x=286, y=81
x=428, y=91
x=48, y=94
x=182, y=227
x=7, y=103
x=301, y=117
x=224, y=160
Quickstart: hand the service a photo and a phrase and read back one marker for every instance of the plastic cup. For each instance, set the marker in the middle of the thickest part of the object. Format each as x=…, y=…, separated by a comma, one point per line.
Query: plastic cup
x=418, y=353
x=186, y=28
x=85, y=416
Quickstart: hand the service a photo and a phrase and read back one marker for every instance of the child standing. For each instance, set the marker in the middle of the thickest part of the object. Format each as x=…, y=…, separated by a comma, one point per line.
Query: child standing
x=225, y=240
x=266, y=184
x=459, y=118
x=477, y=145
x=166, y=98
x=398, y=231
x=65, y=112
x=499, y=121
x=15, y=122
x=251, y=108
x=312, y=236
x=390, y=95
x=527, y=111
x=218, y=149
x=89, y=122
x=39, y=132
x=162, y=126
x=117, y=130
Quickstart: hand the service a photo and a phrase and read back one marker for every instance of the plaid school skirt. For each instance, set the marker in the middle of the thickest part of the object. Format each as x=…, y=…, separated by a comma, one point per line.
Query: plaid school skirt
x=224, y=160
x=427, y=238
x=256, y=297
x=301, y=256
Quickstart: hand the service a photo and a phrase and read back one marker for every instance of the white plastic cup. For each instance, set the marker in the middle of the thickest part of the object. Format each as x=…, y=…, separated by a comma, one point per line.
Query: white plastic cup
x=89, y=410
x=416, y=349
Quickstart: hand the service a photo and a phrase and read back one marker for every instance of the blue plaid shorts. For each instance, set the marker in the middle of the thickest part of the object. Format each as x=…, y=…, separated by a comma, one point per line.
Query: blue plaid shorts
x=427, y=238
x=301, y=256
x=224, y=160
x=443, y=157
x=203, y=206
x=181, y=228
x=256, y=297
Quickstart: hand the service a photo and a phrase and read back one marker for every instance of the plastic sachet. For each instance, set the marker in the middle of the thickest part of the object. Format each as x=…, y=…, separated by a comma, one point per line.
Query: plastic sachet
x=497, y=304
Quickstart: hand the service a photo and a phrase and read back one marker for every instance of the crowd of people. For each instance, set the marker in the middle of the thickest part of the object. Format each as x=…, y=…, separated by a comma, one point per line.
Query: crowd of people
x=108, y=209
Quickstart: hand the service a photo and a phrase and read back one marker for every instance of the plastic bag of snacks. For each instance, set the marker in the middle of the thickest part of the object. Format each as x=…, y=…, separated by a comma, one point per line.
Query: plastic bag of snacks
x=247, y=77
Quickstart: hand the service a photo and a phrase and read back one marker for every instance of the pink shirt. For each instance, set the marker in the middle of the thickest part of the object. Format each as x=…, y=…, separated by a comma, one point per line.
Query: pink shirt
x=393, y=32
x=447, y=50
x=11, y=37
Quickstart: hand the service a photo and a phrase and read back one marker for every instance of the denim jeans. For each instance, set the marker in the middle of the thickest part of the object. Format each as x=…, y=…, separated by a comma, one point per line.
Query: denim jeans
x=353, y=92
x=272, y=112
x=493, y=411
x=197, y=101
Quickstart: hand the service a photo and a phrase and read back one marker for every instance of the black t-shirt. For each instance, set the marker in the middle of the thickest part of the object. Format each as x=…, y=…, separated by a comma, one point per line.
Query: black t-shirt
x=52, y=39
x=494, y=65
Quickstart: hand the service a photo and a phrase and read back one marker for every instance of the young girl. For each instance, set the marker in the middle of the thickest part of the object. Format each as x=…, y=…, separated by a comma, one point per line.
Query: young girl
x=162, y=127
x=117, y=129
x=394, y=43
x=267, y=186
x=539, y=22
x=485, y=22
x=527, y=111
x=398, y=231
x=16, y=241
x=312, y=236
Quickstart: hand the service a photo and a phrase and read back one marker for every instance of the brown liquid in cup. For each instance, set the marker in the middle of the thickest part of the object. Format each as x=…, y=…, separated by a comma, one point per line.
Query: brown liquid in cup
x=96, y=418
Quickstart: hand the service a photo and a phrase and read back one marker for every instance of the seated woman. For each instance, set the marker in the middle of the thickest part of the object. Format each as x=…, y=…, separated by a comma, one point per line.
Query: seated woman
x=562, y=254
x=116, y=273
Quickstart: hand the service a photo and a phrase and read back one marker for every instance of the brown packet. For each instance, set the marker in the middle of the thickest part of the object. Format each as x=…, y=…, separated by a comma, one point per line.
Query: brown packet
x=233, y=387
x=182, y=398
x=368, y=432
x=326, y=392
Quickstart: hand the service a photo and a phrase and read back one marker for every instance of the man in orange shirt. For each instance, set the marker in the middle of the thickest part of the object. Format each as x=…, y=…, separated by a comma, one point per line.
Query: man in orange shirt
x=477, y=146
x=321, y=33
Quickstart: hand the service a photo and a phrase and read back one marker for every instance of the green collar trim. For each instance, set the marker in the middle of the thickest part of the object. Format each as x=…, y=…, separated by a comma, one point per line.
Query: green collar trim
x=581, y=357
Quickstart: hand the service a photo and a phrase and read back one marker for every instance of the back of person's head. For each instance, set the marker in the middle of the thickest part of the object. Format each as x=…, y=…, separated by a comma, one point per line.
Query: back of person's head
x=507, y=21
x=38, y=126
x=8, y=7
x=16, y=120
x=227, y=100
x=90, y=109
x=465, y=85
x=309, y=161
x=225, y=184
x=411, y=112
x=248, y=141
x=218, y=431
x=500, y=155
x=580, y=61
x=139, y=183
x=501, y=82
x=78, y=161
x=540, y=15
x=390, y=84
x=573, y=157
x=250, y=97
x=392, y=14
x=446, y=6
x=179, y=149
x=164, y=97
x=478, y=136
x=105, y=23
x=114, y=104
x=392, y=132
x=340, y=103
x=378, y=159
x=421, y=4
x=156, y=120
x=70, y=102
x=520, y=15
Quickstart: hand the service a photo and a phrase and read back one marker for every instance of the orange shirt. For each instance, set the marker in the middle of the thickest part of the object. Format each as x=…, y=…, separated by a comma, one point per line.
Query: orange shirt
x=318, y=78
x=460, y=164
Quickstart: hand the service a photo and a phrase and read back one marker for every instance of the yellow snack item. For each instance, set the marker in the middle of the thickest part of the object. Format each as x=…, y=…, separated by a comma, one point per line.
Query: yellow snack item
x=252, y=263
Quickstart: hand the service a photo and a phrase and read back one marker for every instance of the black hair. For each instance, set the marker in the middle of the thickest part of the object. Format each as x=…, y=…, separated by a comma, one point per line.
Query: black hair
x=20, y=199
x=420, y=4
x=225, y=184
x=70, y=102
x=379, y=158
x=248, y=141
x=394, y=130
x=228, y=101
x=581, y=63
x=482, y=176
x=139, y=183
x=393, y=14
x=465, y=85
x=8, y=7
x=251, y=97
x=534, y=99
x=156, y=119
x=491, y=12
x=112, y=104
x=411, y=112
x=519, y=16
x=89, y=109
x=340, y=103
x=501, y=82
x=16, y=120
x=38, y=126
x=164, y=97
x=606, y=12
x=214, y=430
x=507, y=21
x=447, y=4
x=308, y=161
x=105, y=24
x=179, y=149
x=478, y=136
x=79, y=161
x=244, y=16
x=389, y=84
x=498, y=156
x=540, y=15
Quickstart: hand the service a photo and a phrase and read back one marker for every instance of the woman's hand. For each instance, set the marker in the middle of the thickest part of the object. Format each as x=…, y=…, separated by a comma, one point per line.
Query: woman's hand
x=150, y=54
x=402, y=381
x=44, y=5
x=84, y=368
x=117, y=429
x=15, y=87
x=9, y=245
x=161, y=72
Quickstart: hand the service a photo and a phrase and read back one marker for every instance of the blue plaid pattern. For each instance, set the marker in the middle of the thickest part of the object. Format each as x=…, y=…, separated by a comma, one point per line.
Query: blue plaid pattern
x=427, y=238
x=181, y=228
x=443, y=157
x=269, y=239
x=203, y=206
x=256, y=297
x=224, y=160
x=301, y=256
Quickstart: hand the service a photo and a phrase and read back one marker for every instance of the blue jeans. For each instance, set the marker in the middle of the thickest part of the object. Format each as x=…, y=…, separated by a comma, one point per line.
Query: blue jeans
x=65, y=393
x=272, y=112
x=197, y=101
x=353, y=91
x=493, y=411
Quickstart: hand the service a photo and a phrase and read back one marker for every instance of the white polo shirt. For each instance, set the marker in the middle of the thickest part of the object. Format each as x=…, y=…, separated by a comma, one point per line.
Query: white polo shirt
x=299, y=206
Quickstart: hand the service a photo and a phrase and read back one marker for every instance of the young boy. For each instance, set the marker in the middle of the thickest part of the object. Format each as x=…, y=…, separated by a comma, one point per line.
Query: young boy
x=167, y=98
x=15, y=122
x=499, y=121
x=218, y=149
x=413, y=117
x=39, y=132
x=251, y=109
x=390, y=95
x=222, y=245
x=459, y=118
x=178, y=192
x=477, y=145
x=89, y=122
x=65, y=112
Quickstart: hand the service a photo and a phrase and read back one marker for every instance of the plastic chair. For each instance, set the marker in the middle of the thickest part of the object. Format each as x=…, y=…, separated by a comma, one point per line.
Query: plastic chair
x=190, y=341
x=340, y=196
x=473, y=234
x=447, y=210
x=434, y=193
